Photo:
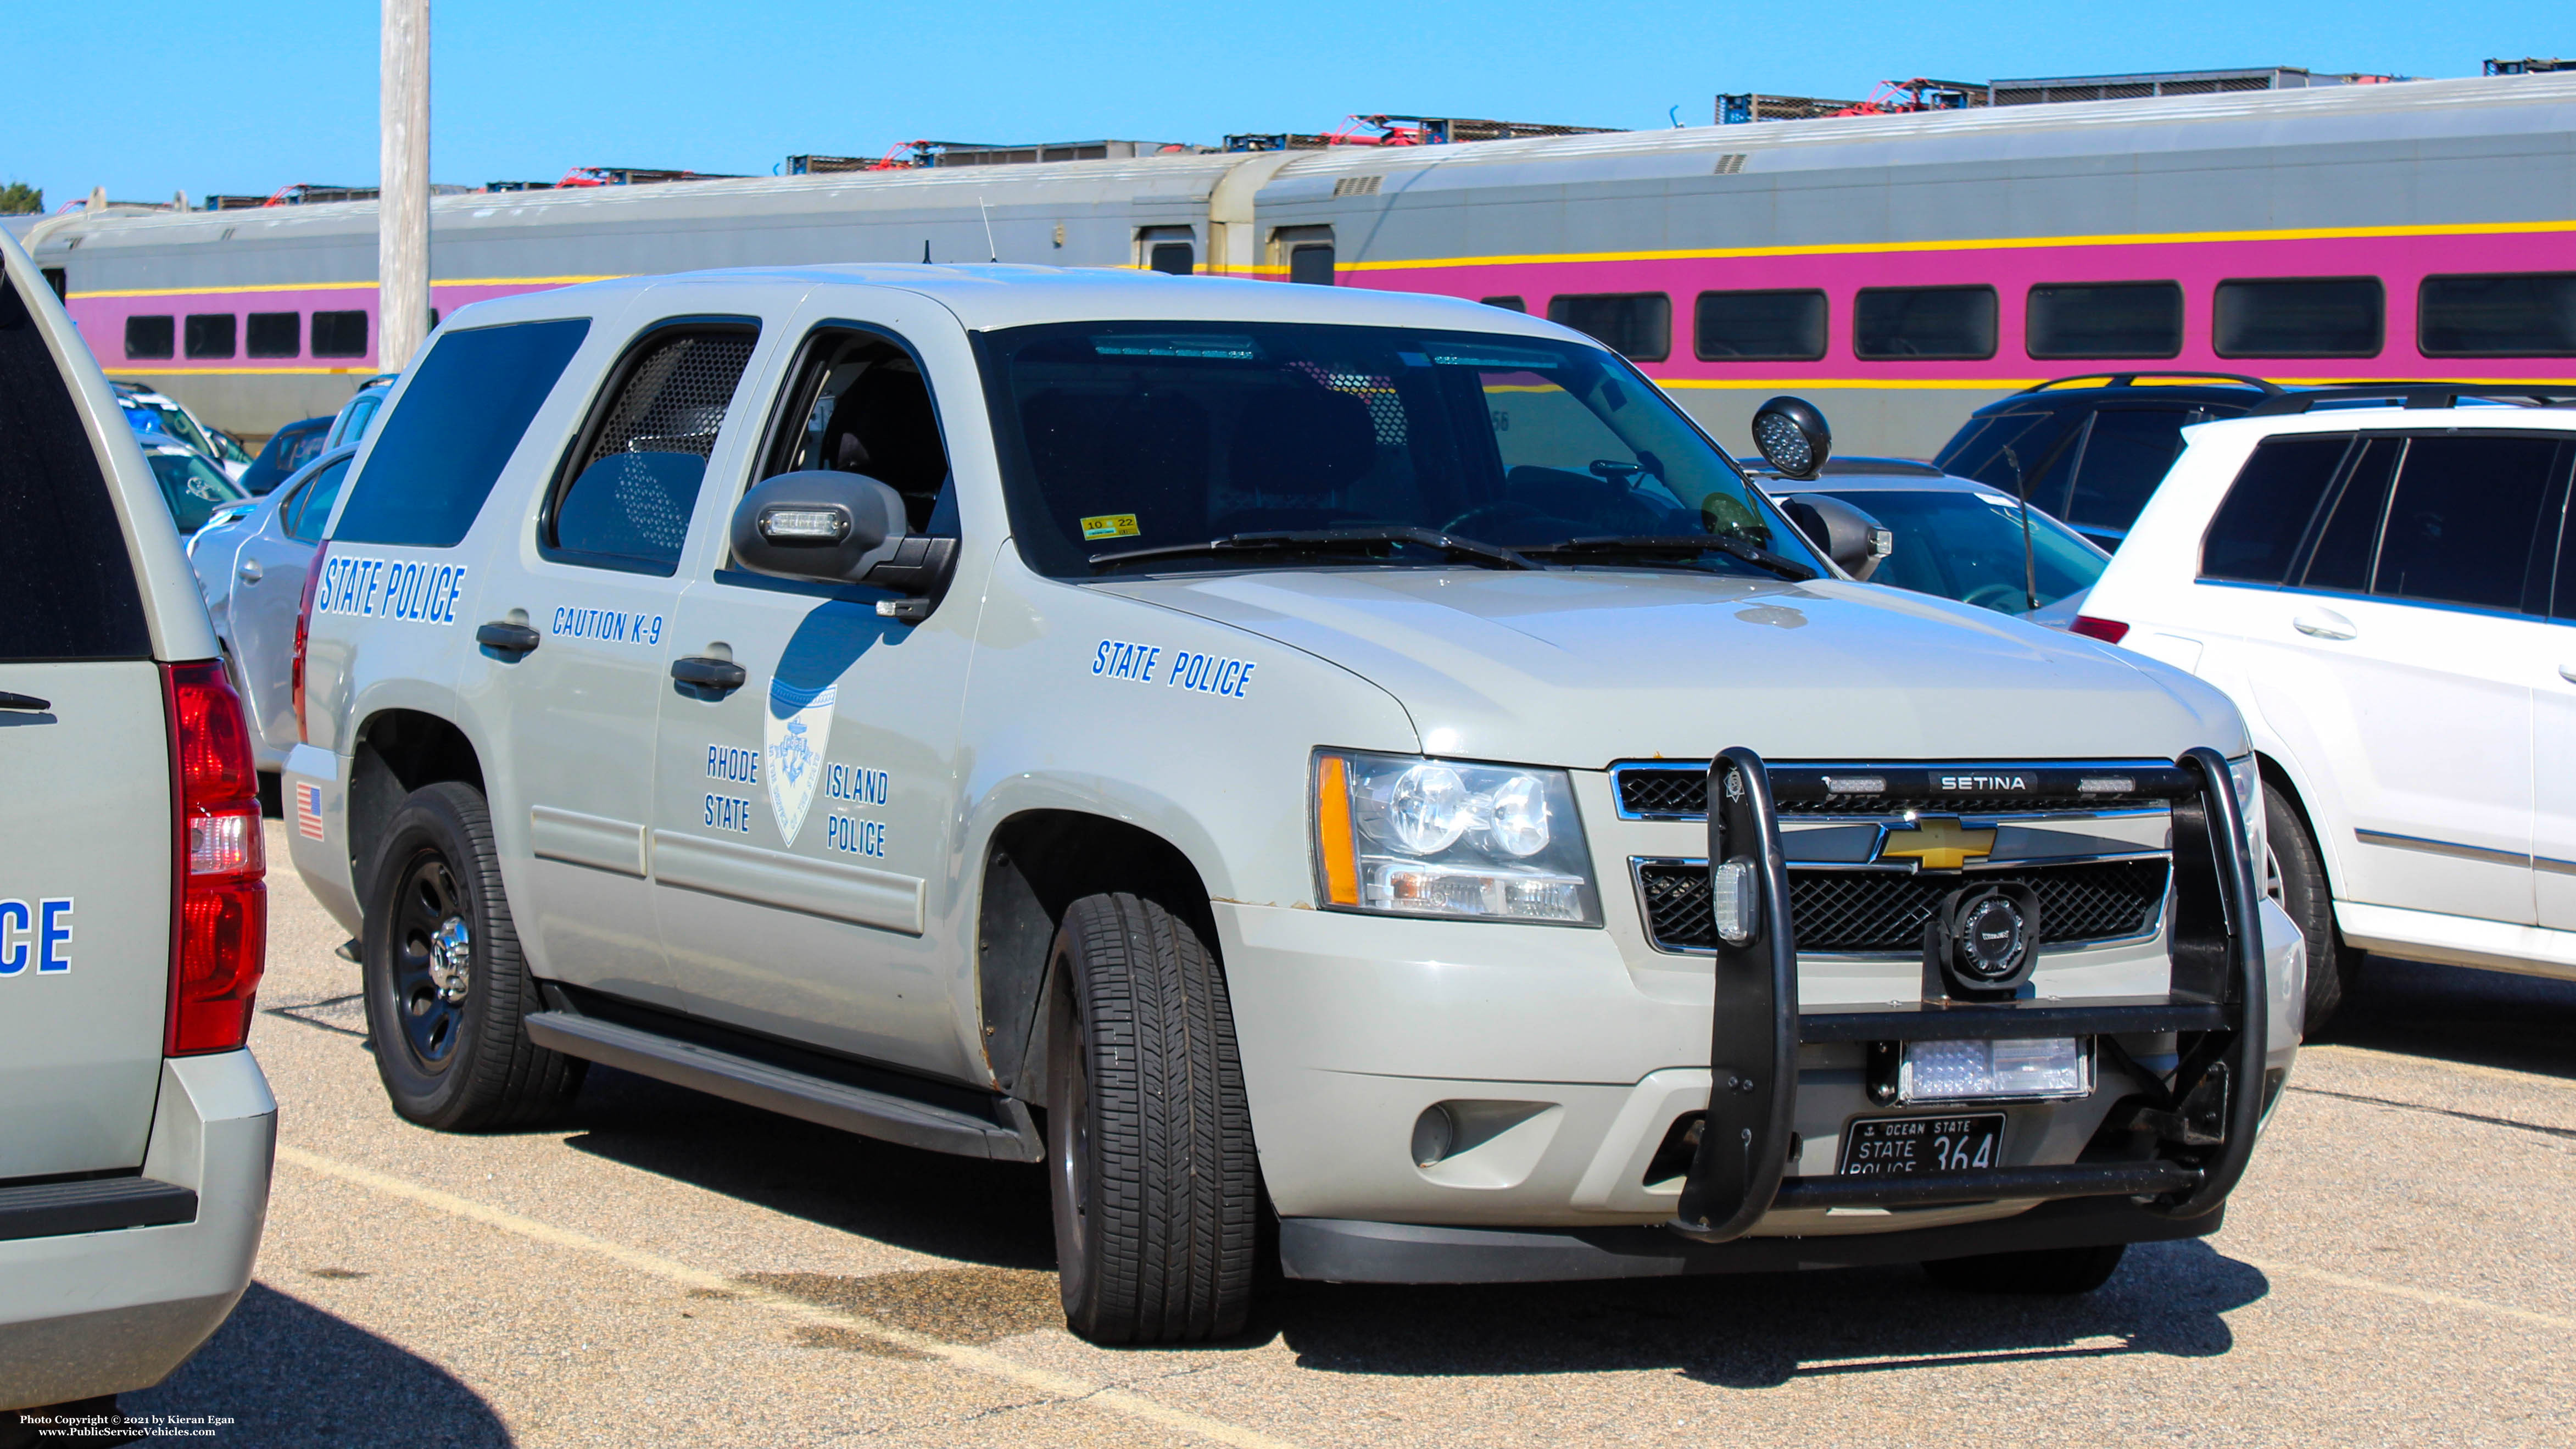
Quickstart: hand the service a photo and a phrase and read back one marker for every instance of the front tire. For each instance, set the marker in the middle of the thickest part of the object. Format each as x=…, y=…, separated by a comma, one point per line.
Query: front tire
x=2058, y=1272
x=2295, y=876
x=1149, y=1140
x=446, y=989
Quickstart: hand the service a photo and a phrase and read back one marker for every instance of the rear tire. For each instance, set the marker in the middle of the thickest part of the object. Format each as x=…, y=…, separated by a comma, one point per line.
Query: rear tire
x=1149, y=1141
x=2054, y=1271
x=2296, y=878
x=446, y=989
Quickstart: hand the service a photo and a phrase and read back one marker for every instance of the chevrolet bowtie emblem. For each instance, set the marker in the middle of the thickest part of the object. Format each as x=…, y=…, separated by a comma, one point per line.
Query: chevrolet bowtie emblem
x=1936, y=842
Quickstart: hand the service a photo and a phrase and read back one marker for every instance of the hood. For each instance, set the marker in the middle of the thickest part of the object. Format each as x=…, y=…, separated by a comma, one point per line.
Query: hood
x=1581, y=668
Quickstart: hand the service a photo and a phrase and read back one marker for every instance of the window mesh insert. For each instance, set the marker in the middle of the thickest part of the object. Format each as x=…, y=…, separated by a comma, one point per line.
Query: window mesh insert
x=675, y=398
x=1839, y=910
x=638, y=482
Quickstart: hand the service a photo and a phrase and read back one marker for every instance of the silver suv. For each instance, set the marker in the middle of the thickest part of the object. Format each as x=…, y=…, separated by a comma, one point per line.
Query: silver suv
x=135, y=1130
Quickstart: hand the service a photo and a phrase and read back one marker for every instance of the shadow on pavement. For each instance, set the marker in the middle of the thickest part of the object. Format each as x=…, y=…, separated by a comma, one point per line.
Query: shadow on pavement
x=290, y=1375
x=2483, y=1018
x=1761, y=1331
x=993, y=1213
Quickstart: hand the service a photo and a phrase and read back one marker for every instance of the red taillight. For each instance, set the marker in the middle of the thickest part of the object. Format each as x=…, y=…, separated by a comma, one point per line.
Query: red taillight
x=303, y=631
x=218, y=907
x=2109, y=631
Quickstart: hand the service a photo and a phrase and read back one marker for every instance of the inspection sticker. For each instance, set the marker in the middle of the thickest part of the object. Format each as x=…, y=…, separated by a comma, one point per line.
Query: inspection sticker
x=1110, y=525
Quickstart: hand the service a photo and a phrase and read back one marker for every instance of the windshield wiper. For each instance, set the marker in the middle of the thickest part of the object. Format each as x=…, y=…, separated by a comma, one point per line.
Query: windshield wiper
x=1676, y=545
x=1325, y=540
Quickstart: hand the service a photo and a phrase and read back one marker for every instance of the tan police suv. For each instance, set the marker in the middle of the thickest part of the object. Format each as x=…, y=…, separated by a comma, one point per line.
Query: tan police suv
x=135, y=1130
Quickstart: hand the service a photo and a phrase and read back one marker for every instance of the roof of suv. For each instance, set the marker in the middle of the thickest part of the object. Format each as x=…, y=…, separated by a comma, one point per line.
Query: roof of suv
x=2084, y=390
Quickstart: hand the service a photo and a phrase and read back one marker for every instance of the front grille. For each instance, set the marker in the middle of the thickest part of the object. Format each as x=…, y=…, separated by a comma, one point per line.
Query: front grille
x=1880, y=910
x=1680, y=792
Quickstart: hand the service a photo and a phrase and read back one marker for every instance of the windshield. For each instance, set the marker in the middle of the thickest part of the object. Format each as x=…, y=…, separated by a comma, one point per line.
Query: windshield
x=1967, y=546
x=193, y=487
x=179, y=425
x=1119, y=437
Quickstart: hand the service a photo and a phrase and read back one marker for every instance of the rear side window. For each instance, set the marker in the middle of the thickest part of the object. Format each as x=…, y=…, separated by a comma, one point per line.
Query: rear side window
x=1760, y=326
x=66, y=584
x=2125, y=457
x=2301, y=317
x=149, y=336
x=306, y=512
x=2258, y=529
x=635, y=472
x=2464, y=523
x=2524, y=314
x=2107, y=319
x=1894, y=324
x=2005, y=449
x=1636, y=325
x=2348, y=537
x=461, y=417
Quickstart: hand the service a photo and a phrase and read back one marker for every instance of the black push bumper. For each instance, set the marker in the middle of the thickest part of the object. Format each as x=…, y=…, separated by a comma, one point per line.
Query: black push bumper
x=2172, y=1151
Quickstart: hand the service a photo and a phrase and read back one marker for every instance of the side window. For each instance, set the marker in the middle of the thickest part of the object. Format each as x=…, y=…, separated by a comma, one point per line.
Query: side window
x=1786, y=326
x=2348, y=540
x=1508, y=304
x=2512, y=314
x=66, y=585
x=148, y=336
x=276, y=334
x=2464, y=521
x=304, y=514
x=1172, y=250
x=2258, y=529
x=461, y=417
x=856, y=403
x=339, y=334
x=211, y=334
x=631, y=482
x=2106, y=319
x=2299, y=317
x=2565, y=605
x=1636, y=325
x=2125, y=457
x=1897, y=323
x=1307, y=253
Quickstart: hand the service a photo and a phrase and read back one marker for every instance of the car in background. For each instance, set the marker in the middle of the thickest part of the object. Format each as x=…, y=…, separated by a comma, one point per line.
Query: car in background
x=138, y=1133
x=169, y=416
x=251, y=562
x=2093, y=448
x=351, y=423
x=288, y=450
x=195, y=489
x=2384, y=580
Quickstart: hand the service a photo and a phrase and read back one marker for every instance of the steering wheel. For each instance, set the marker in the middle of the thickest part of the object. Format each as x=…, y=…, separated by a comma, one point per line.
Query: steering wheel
x=2002, y=598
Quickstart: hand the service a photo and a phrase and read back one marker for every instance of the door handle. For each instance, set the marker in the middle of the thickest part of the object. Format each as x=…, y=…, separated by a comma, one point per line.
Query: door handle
x=2325, y=624
x=503, y=637
x=720, y=675
x=250, y=571
x=24, y=701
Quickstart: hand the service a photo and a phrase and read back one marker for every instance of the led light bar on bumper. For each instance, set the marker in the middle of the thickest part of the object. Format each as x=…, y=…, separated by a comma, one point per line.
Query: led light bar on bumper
x=1405, y=836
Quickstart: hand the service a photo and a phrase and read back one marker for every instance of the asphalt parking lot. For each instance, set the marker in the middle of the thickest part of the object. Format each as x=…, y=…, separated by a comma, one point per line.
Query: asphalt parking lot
x=2399, y=1267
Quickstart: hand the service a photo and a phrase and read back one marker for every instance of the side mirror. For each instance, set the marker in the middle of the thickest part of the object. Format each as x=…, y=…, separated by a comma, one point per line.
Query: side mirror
x=842, y=528
x=1793, y=437
x=1855, y=541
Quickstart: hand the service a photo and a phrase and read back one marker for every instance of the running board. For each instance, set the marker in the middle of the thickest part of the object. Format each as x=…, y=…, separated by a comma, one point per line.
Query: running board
x=869, y=1113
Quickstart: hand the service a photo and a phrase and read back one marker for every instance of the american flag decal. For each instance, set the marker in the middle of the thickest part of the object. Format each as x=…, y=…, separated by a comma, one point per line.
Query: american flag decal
x=308, y=811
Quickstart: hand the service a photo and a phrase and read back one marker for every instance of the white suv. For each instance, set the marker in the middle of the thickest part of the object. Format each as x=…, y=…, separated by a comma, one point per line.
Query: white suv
x=2387, y=593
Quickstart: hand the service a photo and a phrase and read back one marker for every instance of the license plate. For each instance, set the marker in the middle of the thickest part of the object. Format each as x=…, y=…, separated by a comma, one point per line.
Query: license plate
x=1896, y=1146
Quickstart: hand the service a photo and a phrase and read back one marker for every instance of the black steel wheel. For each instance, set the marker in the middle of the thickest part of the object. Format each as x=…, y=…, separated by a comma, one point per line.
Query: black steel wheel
x=445, y=988
x=1149, y=1141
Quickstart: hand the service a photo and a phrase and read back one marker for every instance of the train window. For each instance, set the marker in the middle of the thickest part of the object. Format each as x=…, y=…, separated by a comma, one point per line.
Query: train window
x=276, y=334
x=2104, y=319
x=1636, y=325
x=2512, y=314
x=2299, y=317
x=2258, y=529
x=645, y=450
x=60, y=279
x=461, y=416
x=1893, y=324
x=212, y=334
x=1172, y=250
x=1508, y=304
x=1781, y=326
x=339, y=334
x=2464, y=523
x=1307, y=252
x=149, y=336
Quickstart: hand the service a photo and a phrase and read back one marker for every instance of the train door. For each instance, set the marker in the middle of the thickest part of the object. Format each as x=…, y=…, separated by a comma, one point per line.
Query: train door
x=1306, y=251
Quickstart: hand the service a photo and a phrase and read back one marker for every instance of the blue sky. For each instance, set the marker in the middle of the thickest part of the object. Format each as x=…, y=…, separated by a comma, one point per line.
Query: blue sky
x=147, y=97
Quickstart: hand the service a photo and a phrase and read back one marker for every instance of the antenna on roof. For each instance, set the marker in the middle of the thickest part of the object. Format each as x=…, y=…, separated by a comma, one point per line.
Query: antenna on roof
x=990, y=250
x=925, y=251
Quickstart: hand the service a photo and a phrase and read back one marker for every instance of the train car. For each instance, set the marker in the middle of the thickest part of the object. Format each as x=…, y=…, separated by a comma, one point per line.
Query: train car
x=1900, y=270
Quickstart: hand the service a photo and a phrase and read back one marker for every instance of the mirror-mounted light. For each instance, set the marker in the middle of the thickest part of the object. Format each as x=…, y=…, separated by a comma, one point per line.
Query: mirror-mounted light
x=1793, y=437
x=812, y=526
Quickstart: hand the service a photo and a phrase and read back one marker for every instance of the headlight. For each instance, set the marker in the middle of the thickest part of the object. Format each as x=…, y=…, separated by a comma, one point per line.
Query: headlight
x=2248, y=779
x=1405, y=836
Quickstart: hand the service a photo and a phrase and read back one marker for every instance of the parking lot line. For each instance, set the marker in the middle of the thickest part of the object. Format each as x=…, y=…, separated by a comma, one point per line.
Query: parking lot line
x=2272, y=1268
x=1067, y=1387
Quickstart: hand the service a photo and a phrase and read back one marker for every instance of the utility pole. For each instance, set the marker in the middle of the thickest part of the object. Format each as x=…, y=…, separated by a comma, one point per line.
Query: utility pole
x=402, y=203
